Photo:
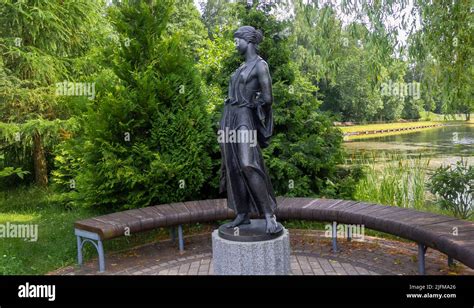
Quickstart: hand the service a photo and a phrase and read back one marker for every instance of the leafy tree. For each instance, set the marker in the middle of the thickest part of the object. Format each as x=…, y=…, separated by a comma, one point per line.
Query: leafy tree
x=347, y=63
x=446, y=38
x=186, y=20
x=356, y=96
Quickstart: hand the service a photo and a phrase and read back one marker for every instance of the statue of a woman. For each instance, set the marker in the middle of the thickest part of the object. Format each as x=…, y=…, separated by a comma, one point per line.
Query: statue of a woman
x=247, y=113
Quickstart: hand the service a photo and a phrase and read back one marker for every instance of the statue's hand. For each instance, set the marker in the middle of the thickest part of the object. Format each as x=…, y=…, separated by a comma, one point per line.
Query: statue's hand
x=259, y=100
x=271, y=224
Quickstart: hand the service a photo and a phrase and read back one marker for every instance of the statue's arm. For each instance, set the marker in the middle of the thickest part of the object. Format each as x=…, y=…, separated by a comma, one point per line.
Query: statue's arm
x=265, y=80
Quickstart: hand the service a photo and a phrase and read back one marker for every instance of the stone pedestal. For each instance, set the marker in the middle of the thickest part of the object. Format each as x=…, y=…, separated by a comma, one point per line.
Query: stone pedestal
x=262, y=257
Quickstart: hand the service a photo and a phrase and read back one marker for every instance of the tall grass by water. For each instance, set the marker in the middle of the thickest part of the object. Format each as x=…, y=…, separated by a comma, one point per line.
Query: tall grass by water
x=394, y=180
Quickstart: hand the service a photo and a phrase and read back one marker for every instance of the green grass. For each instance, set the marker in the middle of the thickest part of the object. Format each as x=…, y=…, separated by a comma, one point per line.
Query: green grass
x=384, y=134
x=385, y=126
x=56, y=244
x=428, y=118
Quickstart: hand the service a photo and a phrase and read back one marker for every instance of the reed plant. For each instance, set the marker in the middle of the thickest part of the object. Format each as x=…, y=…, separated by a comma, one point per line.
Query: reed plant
x=393, y=179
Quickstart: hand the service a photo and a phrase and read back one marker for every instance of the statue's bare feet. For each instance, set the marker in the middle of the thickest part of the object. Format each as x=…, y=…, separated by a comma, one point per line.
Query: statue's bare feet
x=272, y=225
x=241, y=219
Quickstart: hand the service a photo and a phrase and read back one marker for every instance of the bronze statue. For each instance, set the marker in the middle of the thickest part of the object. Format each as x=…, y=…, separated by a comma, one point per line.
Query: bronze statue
x=248, y=113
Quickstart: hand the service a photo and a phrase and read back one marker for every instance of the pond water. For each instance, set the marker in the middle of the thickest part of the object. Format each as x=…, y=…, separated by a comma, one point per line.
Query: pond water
x=442, y=145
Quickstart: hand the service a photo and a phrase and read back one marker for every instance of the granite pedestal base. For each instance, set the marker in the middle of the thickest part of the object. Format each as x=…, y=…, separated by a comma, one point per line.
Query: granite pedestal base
x=265, y=257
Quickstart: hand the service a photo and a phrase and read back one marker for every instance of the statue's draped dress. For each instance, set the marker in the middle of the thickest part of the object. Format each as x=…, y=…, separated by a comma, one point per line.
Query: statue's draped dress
x=243, y=172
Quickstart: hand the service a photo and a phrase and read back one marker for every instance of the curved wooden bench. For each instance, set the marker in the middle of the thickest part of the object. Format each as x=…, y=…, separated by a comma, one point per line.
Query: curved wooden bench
x=452, y=236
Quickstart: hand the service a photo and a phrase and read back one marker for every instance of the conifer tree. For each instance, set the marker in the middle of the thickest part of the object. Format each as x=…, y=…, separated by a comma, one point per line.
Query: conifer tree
x=146, y=140
x=40, y=44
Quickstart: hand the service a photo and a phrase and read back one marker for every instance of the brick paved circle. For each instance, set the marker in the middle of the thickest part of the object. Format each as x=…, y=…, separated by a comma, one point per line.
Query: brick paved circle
x=311, y=255
x=300, y=265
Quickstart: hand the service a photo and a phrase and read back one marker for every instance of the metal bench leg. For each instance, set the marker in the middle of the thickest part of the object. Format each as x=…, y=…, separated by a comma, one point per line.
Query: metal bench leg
x=349, y=233
x=421, y=259
x=334, y=236
x=79, y=250
x=451, y=261
x=100, y=250
x=180, y=238
x=86, y=236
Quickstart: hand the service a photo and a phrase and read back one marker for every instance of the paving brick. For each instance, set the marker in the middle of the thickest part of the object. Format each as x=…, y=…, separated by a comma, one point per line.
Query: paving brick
x=184, y=268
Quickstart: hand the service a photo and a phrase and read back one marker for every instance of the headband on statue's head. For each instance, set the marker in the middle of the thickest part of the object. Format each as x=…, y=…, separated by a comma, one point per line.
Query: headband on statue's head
x=249, y=34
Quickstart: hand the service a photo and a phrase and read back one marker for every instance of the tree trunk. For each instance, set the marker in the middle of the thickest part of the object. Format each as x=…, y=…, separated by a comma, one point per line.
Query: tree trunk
x=468, y=116
x=39, y=159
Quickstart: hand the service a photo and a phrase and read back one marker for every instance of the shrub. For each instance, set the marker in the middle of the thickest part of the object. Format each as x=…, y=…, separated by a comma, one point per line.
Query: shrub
x=146, y=139
x=454, y=188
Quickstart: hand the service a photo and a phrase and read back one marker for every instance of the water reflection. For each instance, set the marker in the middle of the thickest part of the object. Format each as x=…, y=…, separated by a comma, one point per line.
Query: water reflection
x=443, y=145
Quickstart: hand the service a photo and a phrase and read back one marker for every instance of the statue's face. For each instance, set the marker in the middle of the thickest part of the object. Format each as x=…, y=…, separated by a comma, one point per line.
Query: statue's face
x=241, y=45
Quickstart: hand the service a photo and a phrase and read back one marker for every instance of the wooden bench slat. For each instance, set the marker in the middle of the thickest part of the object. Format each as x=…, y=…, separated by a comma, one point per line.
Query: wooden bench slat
x=297, y=206
x=330, y=212
x=113, y=228
x=208, y=213
x=345, y=214
x=182, y=212
x=159, y=219
x=307, y=212
x=146, y=221
x=168, y=212
x=191, y=207
x=397, y=223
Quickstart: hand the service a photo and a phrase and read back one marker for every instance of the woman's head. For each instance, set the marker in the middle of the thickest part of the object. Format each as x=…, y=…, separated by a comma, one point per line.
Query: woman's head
x=245, y=36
